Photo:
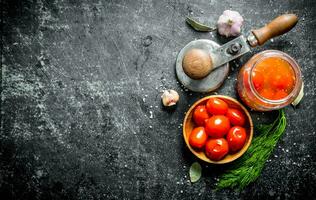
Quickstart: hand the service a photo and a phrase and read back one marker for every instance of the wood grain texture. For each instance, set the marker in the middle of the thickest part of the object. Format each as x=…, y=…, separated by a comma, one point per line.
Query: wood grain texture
x=197, y=64
x=278, y=26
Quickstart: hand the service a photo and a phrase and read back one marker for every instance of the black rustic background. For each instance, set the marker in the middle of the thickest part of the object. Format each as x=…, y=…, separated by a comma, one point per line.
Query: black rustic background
x=81, y=116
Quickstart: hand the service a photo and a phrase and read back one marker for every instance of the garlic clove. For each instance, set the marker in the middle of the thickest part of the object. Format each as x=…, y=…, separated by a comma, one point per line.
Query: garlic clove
x=169, y=97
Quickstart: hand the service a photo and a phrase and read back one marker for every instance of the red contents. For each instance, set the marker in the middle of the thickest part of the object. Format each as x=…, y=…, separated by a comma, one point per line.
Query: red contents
x=217, y=118
x=257, y=79
x=198, y=137
x=273, y=78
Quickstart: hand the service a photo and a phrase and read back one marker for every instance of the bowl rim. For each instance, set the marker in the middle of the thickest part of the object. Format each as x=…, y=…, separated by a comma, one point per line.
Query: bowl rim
x=240, y=152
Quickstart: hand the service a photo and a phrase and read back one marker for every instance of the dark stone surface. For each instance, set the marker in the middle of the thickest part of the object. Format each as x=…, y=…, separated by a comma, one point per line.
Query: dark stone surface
x=81, y=116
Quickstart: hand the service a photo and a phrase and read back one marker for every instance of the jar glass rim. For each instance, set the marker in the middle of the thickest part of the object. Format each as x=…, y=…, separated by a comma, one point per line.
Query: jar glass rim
x=295, y=67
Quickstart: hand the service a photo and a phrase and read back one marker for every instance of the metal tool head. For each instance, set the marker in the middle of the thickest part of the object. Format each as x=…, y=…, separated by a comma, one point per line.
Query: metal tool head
x=210, y=82
x=229, y=51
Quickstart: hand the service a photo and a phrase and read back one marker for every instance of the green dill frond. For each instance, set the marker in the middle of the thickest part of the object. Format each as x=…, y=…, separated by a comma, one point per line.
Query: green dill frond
x=248, y=168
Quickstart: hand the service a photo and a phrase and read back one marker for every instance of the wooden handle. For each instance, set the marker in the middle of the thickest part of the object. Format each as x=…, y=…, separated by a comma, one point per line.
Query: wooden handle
x=276, y=27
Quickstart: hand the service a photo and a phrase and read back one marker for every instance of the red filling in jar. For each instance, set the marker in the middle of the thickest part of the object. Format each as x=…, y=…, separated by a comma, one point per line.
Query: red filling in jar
x=270, y=80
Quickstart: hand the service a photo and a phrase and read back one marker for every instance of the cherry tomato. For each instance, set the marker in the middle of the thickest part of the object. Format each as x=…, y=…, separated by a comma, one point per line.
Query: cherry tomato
x=280, y=95
x=198, y=137
x=236, y=138
x=217, y=126
x=257, y=80
x=236, y=117
x=216, y=106
x=267, y=93
x=280, y=81
x=216, y=149
x=200, y=115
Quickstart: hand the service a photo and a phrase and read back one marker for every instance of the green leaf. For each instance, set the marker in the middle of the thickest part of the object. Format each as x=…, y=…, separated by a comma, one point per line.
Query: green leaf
x=199, y=26
x=299, y=97
x=195, y=172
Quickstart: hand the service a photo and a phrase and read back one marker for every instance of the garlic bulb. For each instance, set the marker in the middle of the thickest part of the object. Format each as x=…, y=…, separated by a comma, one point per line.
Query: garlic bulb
x=229, y=23
x=169, y=97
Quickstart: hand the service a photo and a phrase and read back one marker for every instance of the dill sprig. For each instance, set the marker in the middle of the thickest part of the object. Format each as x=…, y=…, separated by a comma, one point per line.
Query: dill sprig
x=247, y=169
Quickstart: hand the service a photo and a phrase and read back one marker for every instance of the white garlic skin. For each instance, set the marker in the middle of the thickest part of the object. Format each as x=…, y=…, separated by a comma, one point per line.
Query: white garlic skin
x=169, y=97
x=229, y=23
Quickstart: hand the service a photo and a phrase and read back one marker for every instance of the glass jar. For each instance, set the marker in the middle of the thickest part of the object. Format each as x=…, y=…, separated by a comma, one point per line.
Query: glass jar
x=246, y=88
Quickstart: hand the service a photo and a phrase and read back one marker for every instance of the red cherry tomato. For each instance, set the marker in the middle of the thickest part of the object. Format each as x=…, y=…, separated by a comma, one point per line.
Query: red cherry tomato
x=216, y=106
x=257, y=80
x=280, y=95
x=198, y=137
x=200, y=115
x=236, y=117
x=217, y=126
x=267, y=93
x=280, y=81
x=236, y=138
x=216, y=149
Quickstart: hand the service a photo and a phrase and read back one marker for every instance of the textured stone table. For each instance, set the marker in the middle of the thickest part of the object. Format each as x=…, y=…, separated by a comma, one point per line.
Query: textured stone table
x=81, y=116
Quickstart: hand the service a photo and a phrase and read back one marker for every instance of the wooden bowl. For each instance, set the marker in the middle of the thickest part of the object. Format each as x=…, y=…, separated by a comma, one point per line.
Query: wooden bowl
x=188, y=126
